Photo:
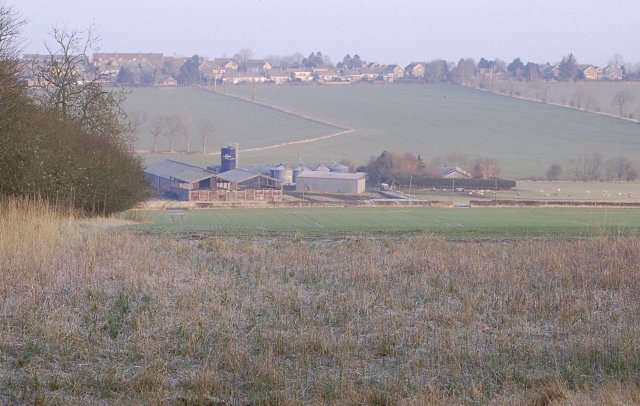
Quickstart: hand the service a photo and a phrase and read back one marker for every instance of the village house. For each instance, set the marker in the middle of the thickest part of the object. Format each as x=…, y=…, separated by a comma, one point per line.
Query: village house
x=612, y=72
x=393, y=72
x=243, y=77
x=278, y=77
x=301, y=74
x=589, y=72
x=258, y=66
x=415, y=69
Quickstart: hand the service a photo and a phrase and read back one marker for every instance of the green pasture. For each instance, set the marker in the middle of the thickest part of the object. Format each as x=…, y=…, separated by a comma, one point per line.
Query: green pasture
x=233, y=120
x=591, y=96
x=435, y=120
x=327, y=222
x=431, y=120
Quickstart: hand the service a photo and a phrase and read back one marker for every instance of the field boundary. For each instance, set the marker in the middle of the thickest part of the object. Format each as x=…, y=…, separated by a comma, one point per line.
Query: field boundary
x=550, y=203
x=511, y=96
x=343, y=130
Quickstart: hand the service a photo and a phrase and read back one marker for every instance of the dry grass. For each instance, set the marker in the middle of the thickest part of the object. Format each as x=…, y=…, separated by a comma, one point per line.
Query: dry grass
x=95, y=315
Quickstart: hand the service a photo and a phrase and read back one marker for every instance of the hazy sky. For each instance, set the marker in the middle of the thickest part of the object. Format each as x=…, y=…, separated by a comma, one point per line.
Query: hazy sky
x=390, y=31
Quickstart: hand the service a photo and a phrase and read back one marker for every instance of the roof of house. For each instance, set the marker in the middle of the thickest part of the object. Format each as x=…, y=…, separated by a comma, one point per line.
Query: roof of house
x=240, y=175
x=448, y=170
x=170, y=169
x=331, y=175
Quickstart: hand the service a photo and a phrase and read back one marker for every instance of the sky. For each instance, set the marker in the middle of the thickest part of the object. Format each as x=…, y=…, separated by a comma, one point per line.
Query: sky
x=390, y=31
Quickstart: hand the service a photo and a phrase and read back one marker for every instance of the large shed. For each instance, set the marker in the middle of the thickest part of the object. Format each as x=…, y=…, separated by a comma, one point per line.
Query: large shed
x=331, y=182
x=176, y=179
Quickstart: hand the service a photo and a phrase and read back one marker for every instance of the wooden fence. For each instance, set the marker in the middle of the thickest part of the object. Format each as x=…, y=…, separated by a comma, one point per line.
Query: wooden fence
x=246, y=195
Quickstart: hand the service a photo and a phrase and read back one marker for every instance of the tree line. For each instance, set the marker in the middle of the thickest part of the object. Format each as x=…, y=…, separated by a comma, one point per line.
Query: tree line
x=67, y=140
x=389, y=166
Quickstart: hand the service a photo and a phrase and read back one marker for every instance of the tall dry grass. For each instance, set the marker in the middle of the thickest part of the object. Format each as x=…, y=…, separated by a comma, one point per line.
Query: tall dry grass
x=96, y=315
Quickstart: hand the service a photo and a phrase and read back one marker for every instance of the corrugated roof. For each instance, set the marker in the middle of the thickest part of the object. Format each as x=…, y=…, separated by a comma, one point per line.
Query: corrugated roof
x=240, y=175
x=332, y=175
x=170, y=169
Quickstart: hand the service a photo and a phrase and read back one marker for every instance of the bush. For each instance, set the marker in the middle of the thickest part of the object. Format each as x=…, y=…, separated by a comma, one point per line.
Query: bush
x=65, y=164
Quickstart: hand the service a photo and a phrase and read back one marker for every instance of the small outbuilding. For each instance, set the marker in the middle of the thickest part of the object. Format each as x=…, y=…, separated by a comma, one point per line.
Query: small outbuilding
x=331, y=182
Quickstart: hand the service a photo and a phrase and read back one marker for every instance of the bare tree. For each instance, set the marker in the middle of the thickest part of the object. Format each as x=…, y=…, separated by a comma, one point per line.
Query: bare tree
x=172, y=126
x=186, y=125
x=136, y=119
x=206, y=128
x=71, y=86
x=242, y=57
x=589, y=166
x=621, y=99
x=486, y=168
x=620, y=168
x=10, y=88
x=554, y=172
x=157, y=129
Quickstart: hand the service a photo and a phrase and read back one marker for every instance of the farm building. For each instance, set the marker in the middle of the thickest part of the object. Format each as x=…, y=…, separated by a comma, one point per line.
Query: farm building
x=175, y=179
x=453, y=173
x=239, y=185
x=330, y=182
x=182, y=181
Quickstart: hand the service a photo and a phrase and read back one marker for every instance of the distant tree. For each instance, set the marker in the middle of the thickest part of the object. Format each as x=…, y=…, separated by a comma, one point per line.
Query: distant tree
x=125, y=75
x=186, y=124
x=484, y=64
x=380, y=169
x=190, y=71
x=172, y=126
x=621, y=99
x=313, y=60
x=485, y=168
x=532, y=72
x=157, y=129
x=136, y=119
x=345, y=63
x=206, y=128
x=589, y=166
x=516, y=68
x=616, y=60
x=554, y=172
x=568, y=68
x=437, y=71
x=620, y=168
x=356, y=62
x=242, y=57
x=465, y=71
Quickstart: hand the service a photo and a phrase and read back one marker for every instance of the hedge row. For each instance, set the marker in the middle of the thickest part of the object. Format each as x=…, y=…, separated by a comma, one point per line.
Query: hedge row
x=420, y=181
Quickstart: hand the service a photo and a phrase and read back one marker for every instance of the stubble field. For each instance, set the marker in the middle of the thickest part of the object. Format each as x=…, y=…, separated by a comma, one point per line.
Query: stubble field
x=96, y=314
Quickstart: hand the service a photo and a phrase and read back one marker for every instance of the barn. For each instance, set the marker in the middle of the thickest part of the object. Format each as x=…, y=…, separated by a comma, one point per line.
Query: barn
x=330, y=182
x=175, y=179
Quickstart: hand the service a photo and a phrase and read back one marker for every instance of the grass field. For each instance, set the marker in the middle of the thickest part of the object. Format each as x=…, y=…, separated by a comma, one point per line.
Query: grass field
x=91, y=313
x=432, y=120
x=621, y=192
x=331, y=222
x=591, y=96
x=233, y=120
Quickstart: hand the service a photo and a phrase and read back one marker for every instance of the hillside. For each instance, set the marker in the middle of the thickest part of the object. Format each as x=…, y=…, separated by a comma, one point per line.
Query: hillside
x=431, y=120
